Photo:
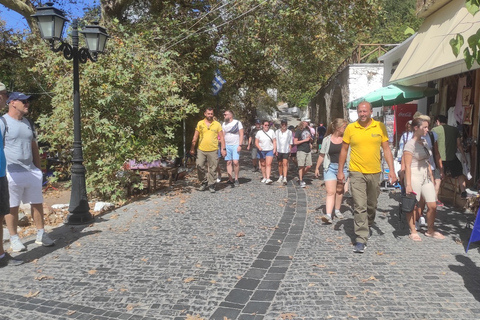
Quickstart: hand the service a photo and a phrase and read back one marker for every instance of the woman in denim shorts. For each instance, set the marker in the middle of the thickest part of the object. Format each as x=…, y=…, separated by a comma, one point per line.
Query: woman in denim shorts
x=329, y=154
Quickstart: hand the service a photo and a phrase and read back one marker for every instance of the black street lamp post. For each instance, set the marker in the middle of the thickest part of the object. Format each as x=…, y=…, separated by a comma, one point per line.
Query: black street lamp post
x=51, y=22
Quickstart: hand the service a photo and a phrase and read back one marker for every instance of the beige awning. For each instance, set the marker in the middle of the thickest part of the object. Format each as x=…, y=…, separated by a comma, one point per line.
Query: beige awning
x=429, y=56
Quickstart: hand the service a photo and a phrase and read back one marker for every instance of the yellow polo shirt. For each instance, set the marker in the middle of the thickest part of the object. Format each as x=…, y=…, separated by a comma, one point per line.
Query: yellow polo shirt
x=365, y=146
x=208, y=135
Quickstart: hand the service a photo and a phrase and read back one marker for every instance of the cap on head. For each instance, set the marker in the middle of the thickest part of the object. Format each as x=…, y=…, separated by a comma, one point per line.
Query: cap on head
x=2, y=87
x=17, y=96
x=258, y=121
x=284, y=121
x=306, y=119
x=291, y=127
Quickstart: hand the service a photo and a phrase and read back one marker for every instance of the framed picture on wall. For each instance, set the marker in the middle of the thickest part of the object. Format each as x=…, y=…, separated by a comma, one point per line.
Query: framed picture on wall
x=467, y=114
x=466, y=96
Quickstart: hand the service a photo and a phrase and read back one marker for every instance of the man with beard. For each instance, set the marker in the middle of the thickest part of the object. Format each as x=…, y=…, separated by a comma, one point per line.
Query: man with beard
x=207, y=132
x=233, y=133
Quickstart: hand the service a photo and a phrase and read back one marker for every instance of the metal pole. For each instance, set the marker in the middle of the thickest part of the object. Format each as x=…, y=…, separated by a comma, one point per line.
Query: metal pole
x=78, y=208
x=184, y=147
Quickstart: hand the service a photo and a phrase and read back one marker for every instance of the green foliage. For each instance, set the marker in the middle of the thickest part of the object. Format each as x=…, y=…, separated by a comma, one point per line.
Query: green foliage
x=131, y=106
x=471, y=52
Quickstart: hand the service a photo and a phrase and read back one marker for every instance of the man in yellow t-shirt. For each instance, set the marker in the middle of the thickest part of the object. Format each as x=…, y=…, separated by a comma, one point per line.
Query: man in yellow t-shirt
x=206, y=133
x=364, y=138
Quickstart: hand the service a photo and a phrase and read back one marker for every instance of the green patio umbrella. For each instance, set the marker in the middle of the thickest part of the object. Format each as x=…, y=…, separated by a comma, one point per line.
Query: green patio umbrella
x=392, y=95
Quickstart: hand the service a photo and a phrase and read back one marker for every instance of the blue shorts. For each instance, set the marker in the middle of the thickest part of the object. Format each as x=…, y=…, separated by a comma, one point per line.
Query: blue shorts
x=232, y=153
x=331, y=172
x=263, y=154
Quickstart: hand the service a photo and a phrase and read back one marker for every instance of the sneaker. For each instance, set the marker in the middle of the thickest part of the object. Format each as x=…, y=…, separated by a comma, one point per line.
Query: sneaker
x=347, y=194
x=422, y=221
x=8, y=260
x=17, y=245
x=237, y=183
x=303, y=184
x=268, y=181
x=212, y=189
x=280, y=179
x=339, y=215
x=326, y=219
x=463, y=195
x=219, y=180
x=439, y=203
x=263, y=180
x=285, y=181
x=359, y=247
x=203, y=187
x=44, y=240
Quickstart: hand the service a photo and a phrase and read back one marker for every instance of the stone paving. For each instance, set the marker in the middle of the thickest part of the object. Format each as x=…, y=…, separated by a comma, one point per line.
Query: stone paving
x=252, y=252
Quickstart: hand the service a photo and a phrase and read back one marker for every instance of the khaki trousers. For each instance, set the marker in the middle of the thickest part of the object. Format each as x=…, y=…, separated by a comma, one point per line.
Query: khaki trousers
x=207, y=176
x=365, y=189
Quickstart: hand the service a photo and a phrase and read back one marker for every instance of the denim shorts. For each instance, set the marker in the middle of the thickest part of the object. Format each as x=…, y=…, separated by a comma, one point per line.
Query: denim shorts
x=331, y=172
x=263, y=154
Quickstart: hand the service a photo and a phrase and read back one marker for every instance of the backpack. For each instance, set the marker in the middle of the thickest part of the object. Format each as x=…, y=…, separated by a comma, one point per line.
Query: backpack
x=32, y=127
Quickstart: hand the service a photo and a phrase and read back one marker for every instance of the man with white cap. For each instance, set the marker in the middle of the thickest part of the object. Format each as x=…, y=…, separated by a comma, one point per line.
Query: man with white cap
x=303, y=139
x=23, y=169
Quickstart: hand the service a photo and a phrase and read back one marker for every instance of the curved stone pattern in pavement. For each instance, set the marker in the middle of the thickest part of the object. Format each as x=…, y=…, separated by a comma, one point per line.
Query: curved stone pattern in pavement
x=255, y=291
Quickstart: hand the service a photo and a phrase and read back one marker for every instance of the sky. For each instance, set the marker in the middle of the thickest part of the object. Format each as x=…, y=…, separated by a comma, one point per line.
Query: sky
x=17, y=22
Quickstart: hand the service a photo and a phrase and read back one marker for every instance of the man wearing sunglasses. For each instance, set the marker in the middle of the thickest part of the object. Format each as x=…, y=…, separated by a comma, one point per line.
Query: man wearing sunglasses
x=24, y=175
x=207, y=133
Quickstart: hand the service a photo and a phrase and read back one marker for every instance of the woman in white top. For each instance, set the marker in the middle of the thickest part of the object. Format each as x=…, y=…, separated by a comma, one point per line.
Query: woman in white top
x=407, y=135
x=329, y=154
x=419, y=179
x=266, y=143
x=284, y=143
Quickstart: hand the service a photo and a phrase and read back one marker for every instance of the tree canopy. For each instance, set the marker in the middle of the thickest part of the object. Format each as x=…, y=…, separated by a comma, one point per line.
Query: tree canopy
x=160, y=62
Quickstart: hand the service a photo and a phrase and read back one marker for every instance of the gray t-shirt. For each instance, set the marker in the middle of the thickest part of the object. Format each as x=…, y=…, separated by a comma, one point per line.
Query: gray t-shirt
x=18, y=144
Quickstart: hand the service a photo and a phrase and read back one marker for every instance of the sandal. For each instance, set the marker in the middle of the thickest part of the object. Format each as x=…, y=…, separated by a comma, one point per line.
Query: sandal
x=415, y=237
x=435, y=235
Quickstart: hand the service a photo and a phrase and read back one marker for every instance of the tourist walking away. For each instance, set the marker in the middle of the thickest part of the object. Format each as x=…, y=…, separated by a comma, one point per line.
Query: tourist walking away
x=407, y=135
x=419, y=179
x=266, y=143
x=365, y=137
x=303, y=140
x=284, y=143
x=293, y=150
x=252, y=146
x=233, y=132
x=329, y=155
x=321, y=131
x=206, y=133
x=5, y=258
x=449, y=141
x=24, y=175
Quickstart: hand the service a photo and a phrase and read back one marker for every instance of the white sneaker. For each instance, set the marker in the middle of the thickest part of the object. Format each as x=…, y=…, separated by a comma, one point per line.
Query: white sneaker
x=17, y=245
x=285, y=181
x=422, y=221
x=280, y=179
x=219, y=180
x=263, y=180
x=339, y=215
x=268, y=181
x=303, y=184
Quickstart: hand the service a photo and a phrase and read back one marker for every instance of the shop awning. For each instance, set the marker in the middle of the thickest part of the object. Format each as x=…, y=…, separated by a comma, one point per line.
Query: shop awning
x=429, y=56
x=393, y=95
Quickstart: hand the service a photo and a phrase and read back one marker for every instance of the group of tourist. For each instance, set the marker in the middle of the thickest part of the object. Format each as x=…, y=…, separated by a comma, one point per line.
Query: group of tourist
x=20, y=175
x=346, y=151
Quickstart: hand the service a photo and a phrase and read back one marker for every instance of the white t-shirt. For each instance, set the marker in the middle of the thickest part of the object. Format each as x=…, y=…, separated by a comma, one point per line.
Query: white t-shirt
x=265, y=139
x=232, y=132
x=284, y=139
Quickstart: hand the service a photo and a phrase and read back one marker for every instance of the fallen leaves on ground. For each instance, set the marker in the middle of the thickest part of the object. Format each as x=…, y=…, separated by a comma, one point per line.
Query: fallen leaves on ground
x=372, y=278
x=93, y=271
x=189, y=279
x=32, y=294
x=240, y=234
x=288, y=315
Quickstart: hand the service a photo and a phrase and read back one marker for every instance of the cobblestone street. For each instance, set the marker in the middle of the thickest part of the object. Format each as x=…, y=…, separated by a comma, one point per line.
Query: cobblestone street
x=252, y=252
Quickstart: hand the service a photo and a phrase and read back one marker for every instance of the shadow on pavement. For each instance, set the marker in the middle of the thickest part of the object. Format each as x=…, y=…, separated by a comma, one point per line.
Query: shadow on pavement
x=469, y=272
